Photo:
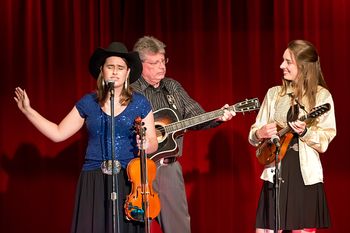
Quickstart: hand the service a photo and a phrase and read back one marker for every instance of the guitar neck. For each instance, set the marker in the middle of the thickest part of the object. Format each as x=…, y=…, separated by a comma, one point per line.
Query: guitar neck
x=244, y=106
x=189, y=122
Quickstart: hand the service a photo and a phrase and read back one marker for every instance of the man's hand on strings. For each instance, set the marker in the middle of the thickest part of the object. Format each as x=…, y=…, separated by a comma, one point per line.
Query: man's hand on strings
x=228, y=114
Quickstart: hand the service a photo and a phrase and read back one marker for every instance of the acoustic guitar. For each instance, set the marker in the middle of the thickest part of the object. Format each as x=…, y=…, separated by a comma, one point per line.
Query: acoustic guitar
x=266, y=152
x=169, y=127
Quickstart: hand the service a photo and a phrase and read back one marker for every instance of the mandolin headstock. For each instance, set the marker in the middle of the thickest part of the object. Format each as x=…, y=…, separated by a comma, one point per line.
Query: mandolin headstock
x=319, y=110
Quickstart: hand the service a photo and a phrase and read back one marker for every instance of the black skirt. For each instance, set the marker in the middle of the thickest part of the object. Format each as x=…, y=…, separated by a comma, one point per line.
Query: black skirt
x=300, y=206
x=93, y=205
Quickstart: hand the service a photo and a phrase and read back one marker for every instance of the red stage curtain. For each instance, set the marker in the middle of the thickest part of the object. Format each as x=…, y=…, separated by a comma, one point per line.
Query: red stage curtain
x=221, y=51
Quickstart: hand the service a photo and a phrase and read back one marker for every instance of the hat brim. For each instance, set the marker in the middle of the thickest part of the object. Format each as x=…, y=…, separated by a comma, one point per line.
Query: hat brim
x=99, y=56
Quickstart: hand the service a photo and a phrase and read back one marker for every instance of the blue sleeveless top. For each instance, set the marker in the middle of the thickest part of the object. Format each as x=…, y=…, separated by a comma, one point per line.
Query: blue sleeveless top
x=98, y=127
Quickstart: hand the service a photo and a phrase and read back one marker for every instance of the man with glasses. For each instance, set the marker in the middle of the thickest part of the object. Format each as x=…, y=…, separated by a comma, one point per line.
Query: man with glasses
x=169, y=100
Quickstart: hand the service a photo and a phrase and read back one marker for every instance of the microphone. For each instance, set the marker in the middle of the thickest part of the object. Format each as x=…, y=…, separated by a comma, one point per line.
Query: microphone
x=110, y=85
x=275, y=140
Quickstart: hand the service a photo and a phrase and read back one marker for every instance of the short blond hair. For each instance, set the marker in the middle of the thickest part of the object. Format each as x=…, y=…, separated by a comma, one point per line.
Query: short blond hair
x=149, y=44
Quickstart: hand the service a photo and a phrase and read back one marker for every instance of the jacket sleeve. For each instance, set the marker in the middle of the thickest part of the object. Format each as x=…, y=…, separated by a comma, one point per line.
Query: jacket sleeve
x=265, y=114
x=323, y=129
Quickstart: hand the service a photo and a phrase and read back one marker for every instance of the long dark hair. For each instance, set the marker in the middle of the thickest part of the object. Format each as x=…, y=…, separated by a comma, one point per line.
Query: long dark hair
x=102, y=90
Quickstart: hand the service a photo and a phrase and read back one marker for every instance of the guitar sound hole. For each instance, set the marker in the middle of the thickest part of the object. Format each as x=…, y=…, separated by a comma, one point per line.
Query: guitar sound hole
x=160, y=133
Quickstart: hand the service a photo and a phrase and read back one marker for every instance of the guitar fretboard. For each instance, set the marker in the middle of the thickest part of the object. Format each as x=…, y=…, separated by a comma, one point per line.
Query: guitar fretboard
x=244, y=106
x=189, y=122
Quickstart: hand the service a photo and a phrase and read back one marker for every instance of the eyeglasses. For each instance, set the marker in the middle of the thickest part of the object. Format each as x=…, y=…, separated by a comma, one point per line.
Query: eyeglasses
x=157, y=63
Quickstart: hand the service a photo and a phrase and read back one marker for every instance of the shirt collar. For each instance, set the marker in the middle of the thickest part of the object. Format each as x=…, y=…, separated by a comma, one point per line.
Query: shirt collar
x=144, y=85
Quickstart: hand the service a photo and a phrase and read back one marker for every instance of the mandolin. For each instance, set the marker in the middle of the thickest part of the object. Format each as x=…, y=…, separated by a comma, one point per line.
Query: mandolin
x=266, y=152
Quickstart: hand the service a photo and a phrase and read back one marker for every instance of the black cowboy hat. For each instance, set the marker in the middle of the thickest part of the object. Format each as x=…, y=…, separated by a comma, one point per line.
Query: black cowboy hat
x=116, y=49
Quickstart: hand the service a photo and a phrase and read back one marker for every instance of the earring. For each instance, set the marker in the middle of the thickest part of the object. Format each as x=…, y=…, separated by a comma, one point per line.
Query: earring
x=126, y=84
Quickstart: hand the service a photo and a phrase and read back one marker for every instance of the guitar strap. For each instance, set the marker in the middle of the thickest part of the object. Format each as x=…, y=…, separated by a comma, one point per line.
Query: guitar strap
x=171, y=102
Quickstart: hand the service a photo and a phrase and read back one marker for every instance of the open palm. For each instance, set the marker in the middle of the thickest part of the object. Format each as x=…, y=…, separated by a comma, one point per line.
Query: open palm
x=22, y=99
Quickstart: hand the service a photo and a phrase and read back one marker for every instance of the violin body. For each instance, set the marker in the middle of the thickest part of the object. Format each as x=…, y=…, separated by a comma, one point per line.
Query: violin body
x=142, y=201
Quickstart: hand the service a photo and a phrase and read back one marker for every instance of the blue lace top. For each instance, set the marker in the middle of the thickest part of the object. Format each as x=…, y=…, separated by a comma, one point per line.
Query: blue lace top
x=98, y=127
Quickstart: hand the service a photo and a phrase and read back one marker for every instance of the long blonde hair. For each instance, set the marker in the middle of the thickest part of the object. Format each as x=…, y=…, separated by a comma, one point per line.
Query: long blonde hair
x=309, y=75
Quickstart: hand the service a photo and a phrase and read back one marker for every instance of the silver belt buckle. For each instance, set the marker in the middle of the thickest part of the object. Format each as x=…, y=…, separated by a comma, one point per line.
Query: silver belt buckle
x=106, y=167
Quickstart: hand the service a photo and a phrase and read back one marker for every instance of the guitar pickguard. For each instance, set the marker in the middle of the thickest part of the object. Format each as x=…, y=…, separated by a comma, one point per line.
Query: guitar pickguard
x=167, y=145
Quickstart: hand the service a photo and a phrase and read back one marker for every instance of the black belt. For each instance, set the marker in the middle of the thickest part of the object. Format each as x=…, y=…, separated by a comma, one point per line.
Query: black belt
x=169, y=160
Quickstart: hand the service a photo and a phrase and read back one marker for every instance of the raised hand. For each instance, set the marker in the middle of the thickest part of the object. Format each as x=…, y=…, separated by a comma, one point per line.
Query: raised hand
x=22, y=99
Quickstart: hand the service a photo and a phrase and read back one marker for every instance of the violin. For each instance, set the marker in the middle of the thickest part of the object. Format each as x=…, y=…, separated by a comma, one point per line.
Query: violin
x=142, y=204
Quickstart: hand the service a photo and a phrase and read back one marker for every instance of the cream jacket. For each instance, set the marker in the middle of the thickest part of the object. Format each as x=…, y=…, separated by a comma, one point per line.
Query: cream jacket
x=320, y=132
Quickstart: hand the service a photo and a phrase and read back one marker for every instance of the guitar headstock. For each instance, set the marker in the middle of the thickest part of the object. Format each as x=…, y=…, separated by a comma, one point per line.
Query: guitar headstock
x=247, y=105
x=319, y=110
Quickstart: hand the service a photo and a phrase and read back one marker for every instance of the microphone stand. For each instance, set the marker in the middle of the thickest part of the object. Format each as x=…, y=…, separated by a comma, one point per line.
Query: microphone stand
x=114, y=193
x=276, y=189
